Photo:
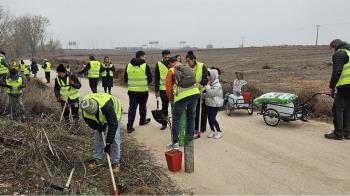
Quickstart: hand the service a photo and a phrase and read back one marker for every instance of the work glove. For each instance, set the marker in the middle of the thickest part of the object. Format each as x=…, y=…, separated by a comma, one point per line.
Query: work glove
x=331, y=92
x=59, y=99
x=107, y=148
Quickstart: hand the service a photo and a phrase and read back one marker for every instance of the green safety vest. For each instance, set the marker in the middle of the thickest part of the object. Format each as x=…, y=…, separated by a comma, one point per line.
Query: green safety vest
x=24, y=69
x=137, y=78
x=199, y=72
x=102, y=99
x=14, y=86
x=163, y=71
x=94, y=71
x=104, y=73
x=181, y=93
x=48, y=67
x=345, y=74
x=3, y=68
x=66, y=90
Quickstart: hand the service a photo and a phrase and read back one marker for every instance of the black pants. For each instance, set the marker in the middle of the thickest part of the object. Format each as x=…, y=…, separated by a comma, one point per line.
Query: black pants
x=165, y=102
x=136, y=99
x=213, y=123
x=109, y=88
x=47, y=76
x=203, y=126
x=341, y=115
x=93, y=82
x=74, y=107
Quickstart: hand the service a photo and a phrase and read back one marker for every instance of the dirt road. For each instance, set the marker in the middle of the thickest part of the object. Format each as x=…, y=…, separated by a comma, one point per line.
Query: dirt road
x=252, y=158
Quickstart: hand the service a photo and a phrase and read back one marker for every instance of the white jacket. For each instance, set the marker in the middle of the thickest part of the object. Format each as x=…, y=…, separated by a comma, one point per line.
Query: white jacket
x=214, y=94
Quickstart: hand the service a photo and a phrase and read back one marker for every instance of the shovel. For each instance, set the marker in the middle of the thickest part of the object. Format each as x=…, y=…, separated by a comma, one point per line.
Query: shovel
x=158, y=115
x=115, y=191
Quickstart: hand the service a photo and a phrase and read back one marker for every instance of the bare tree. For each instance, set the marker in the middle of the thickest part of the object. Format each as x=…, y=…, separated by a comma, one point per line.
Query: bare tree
x=33, y=30
x=5, y=26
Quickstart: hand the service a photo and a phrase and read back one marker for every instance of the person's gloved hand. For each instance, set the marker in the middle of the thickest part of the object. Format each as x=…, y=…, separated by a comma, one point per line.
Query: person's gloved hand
x=59, y=99
x=331, y=92
x=107, y=148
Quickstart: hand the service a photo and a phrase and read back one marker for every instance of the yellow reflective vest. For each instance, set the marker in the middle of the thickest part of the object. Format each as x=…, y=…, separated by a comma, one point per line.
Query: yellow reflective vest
x=137, y=78
x=94, y=71
x=163, y=71
x=3, y=68
x=24, y=69
x=104, y=73
x=48, y=67
x=181, y=93
x=15, y=84
x=102, y=99
x=199, y=71
x=66, y=91
x=345, y=74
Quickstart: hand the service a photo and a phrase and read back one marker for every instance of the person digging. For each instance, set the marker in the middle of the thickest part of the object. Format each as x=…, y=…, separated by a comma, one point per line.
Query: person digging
x=102, y=111
x=67, y=93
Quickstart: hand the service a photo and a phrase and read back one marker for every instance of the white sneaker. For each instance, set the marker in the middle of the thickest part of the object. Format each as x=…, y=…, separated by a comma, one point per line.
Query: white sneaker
x=212, y=134
x=172, y=146
x=218, y=135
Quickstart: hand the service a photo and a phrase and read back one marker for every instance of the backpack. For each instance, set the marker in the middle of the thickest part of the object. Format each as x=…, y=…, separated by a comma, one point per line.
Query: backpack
x=184, y=76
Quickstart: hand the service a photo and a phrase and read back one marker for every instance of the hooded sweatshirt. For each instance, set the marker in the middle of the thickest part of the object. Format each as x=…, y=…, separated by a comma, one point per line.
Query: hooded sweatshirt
x=213, y=92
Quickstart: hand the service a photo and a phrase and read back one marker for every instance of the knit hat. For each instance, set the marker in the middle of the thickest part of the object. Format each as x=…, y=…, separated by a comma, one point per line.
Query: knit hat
x=61, y=68
x=89, y=106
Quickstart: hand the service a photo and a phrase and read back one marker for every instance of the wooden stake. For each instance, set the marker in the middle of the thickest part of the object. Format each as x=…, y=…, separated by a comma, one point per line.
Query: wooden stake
x=64, y=108
x=68, y=181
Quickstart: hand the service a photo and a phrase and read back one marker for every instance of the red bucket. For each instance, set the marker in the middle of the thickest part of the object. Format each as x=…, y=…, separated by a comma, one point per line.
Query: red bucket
x=246, y=97
x=174, y=160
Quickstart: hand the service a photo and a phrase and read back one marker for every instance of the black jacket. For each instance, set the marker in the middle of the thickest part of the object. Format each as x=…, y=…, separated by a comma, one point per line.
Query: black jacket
x=76, y=85
x=157, y=76
x=339, y=59
x=138, y=62
x=109, y=112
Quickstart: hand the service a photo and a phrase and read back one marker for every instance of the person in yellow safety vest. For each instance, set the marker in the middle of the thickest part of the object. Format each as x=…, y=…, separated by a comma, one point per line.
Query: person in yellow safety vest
x=24, y=70
x=47, y=68
x=67, y=90
x=138, y=76
x=14, y=84
x=94, y=69
x=184, y=100
x=102, y=111
x=201, y=79
x=160, y=73
x=340, y=81
x=4, y=66
x=107, y=74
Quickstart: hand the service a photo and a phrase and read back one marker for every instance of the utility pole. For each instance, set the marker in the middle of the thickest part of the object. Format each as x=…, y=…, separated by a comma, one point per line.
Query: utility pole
x=242, y=44
x=317, y=26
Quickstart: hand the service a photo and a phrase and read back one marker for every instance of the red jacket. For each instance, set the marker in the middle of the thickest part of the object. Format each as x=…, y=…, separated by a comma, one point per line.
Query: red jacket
x=169, y=84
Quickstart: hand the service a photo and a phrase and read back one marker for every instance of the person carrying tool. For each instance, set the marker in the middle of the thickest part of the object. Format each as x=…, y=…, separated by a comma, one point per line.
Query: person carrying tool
x=94, y=69
x=138, y=76
x=24, y=70
x=67, y=93
x=47, y=69
x=14, y=84
x=107, y=75
x=161, y=71
x=102, y=111
x=200, y=71
x=4, y=66
x=183, y=99
x=340, y=82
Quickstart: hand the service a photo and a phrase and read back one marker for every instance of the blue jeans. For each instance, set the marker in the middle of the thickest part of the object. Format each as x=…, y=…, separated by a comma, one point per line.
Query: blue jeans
x=115, y=146
x=189, y=105
x=15, y=101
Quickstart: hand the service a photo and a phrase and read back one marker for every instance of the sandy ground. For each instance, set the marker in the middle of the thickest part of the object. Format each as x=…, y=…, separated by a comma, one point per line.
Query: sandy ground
x=253, y=158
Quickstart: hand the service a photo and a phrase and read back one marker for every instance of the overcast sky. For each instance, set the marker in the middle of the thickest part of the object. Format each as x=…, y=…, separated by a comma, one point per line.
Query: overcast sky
x=113, y=23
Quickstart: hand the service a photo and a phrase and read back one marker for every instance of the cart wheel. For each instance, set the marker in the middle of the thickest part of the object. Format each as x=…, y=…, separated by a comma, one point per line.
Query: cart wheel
x=271, y=117
x=250, y=110
x=228, y=109
x=305, y=114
